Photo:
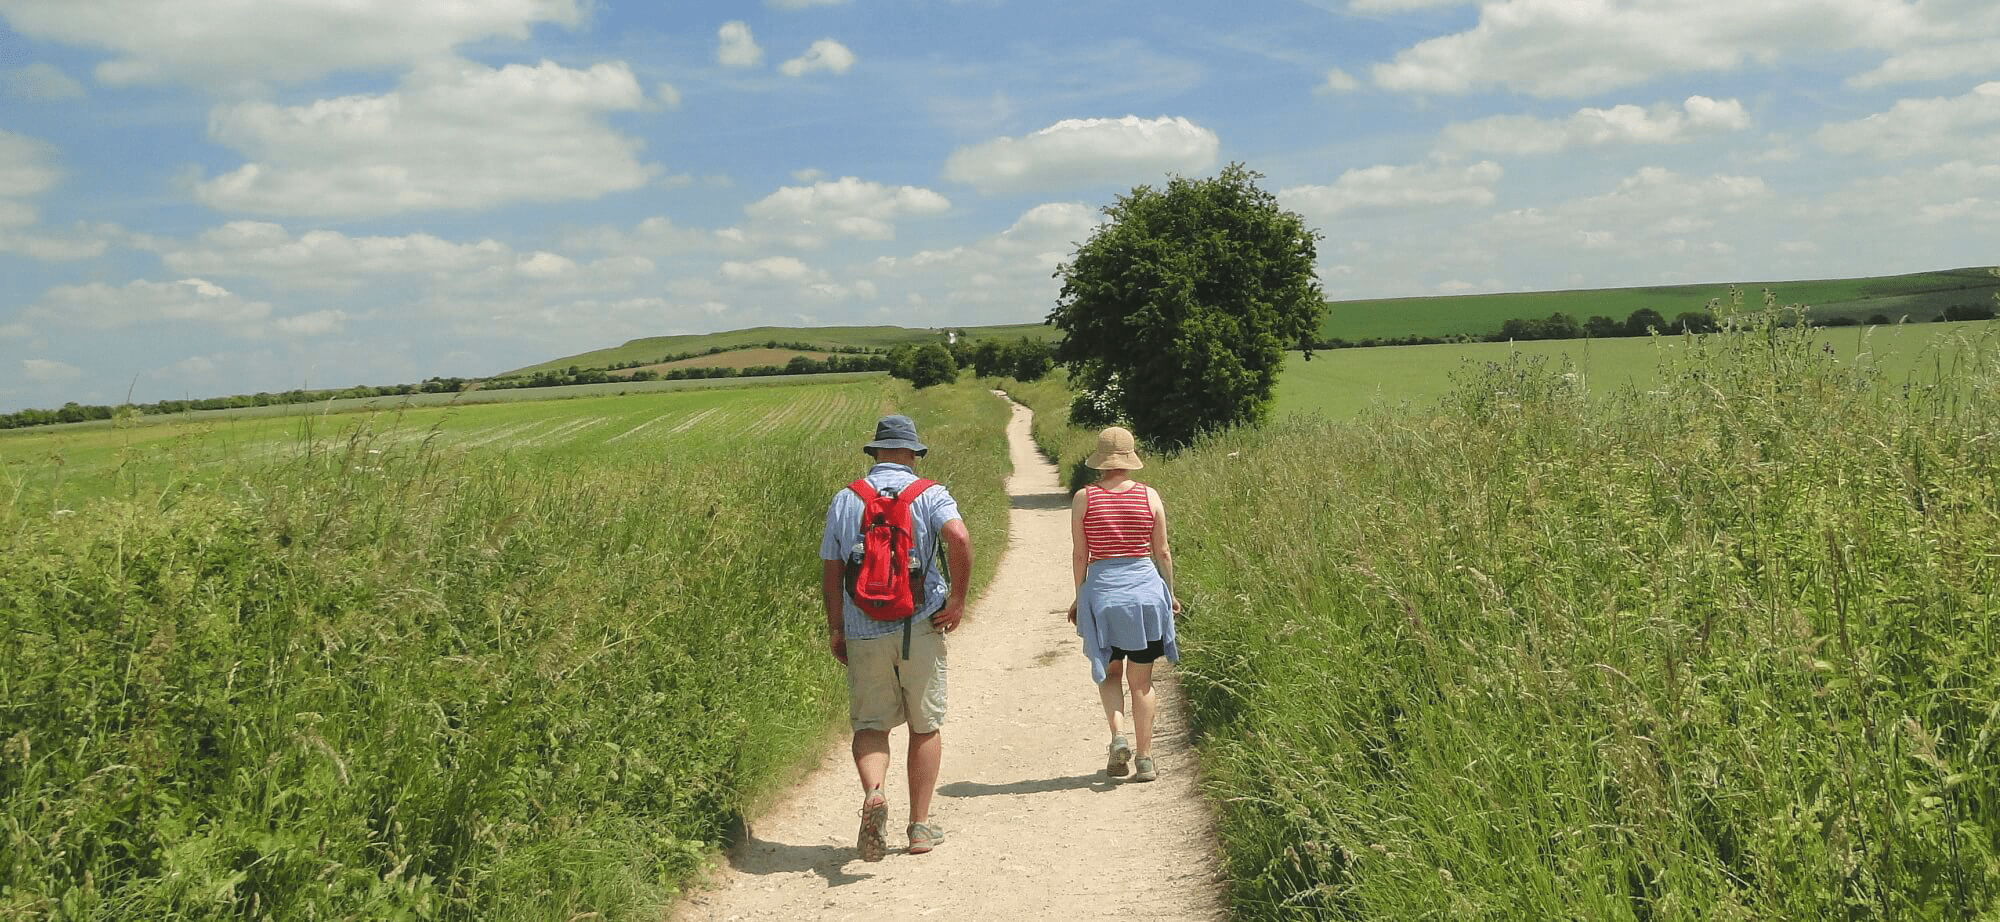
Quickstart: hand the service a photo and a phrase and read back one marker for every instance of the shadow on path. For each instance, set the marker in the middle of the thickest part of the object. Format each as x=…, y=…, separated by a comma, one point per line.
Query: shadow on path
x=1038, y=501
x=757, y=856
x=1095, y=781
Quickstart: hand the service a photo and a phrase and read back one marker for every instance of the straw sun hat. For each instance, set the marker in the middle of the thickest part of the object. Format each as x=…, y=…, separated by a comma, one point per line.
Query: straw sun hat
x=1116, y=450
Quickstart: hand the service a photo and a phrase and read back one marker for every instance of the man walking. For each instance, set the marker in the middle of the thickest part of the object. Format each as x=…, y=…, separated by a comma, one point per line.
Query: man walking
x=896, y=668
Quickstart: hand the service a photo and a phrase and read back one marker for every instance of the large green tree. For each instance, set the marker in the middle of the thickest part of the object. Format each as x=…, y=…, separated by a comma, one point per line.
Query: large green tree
x=1186, y=300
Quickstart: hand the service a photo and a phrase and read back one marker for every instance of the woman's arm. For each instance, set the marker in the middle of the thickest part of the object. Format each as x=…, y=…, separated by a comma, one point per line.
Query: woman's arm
x=1163, y=555
x=1079, y=547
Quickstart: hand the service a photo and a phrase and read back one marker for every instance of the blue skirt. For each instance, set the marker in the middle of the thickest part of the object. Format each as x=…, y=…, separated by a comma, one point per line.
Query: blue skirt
x=1123, y=603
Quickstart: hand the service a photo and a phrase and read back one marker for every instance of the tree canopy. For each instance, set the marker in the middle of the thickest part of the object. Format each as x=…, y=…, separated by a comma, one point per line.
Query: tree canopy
x=1184, y=303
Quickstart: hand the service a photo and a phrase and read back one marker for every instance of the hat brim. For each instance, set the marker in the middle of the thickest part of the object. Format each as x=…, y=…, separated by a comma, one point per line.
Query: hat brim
x=1114, y=461
x=917, y=447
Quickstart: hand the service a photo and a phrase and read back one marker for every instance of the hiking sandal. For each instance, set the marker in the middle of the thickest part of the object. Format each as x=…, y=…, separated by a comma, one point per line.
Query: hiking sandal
x=924, y=837
x=874, y=815
x=1121, y=757
x=1146, y=771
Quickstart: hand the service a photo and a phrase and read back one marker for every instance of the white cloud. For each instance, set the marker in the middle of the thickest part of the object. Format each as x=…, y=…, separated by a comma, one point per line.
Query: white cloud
x=1958, y=193
x=846, y=207
x=825, y=56
x=770, y=269
x=1387, y=188
x=49, y=371
x=1652, y=204
x=737, y=48
x=454, y=135
x=545, y=265
x=99, y=306
x=1590, y=127
x=1127, y=150
x=987, y=280
x=227, y=42
x=325, y=258
x=669, y=95
x=1934, y=62
x=27, y=166
x=1338, y=81
x=1916, y=126
x=1399, y=6
x=1579, y=47
x=316, y=323
x=41, y=82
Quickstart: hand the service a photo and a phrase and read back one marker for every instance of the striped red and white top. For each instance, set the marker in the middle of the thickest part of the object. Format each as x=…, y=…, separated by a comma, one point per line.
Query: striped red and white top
x=1118, y=524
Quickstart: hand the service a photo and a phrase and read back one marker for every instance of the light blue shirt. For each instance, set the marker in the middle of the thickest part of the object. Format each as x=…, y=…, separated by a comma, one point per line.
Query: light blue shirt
x=928, y=516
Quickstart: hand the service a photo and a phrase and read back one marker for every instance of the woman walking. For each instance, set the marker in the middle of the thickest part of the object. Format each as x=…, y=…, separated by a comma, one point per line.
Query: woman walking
x=1125, y=604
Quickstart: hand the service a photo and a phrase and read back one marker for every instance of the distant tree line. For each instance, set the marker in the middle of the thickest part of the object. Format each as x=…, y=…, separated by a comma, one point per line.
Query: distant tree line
x=74, y=412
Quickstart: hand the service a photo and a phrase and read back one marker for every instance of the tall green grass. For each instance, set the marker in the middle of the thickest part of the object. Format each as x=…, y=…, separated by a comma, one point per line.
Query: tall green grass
x=384, y=678
x=1726, y=648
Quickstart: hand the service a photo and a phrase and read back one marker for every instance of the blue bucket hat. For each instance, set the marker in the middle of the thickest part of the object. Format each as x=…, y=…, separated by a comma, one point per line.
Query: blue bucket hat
x=895, y=432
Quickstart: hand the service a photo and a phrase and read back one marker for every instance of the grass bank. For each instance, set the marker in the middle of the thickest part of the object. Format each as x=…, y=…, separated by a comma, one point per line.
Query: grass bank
x=387, y=676
x=1726, y=648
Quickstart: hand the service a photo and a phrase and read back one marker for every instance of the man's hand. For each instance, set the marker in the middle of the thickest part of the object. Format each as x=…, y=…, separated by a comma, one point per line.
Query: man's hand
x=1072, y=612
x=946, y=619
x=839, y=645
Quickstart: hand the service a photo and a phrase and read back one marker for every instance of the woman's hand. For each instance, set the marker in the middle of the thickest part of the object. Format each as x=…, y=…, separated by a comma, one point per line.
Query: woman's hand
x=1072, y=612
x=1177, y=605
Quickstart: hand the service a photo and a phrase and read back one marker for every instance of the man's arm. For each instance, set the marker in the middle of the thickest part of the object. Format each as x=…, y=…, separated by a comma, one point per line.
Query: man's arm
x=958, y=557
x=831, y=575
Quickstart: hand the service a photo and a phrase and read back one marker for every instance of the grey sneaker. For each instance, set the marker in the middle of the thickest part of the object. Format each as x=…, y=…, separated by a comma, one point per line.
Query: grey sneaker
x=1121, y=757
x=874, y=815
x=1146, y=771
x=924, y=837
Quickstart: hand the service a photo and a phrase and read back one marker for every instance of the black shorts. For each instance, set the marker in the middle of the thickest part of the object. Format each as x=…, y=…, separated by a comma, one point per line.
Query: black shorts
x=1153, y=651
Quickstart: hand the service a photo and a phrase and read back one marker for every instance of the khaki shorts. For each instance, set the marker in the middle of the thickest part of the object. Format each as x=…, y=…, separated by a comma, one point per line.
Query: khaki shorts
x=885, y=691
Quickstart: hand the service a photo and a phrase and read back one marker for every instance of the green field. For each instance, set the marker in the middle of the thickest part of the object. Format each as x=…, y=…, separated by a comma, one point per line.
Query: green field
x=519, y=661
x=1340, y=383
x=1918, y=297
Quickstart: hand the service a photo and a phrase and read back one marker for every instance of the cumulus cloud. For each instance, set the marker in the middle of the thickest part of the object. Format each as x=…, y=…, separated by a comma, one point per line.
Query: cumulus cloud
x=41, y=82
x=1338, y=81
x=315, y=323
x=1589, y=127
x=737, y=48
x=1650, y=205
x=846, y=208
x=989, y=279
x=1560, y=48
x=98, y=306
x=1933, y=62
x=825, y=56
x=227, y=42
x=770, y=269
x=669, y=95
x=27, y=166
x=1392, y=188
x=1960, y=192
x=454, y=135
x=326, y=258
x=1917, y=126
x=49, y=371
x=1077, y=151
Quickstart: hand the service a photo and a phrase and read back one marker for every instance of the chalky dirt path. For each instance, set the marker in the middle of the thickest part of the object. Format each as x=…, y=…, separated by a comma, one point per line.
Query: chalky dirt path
x=1034, y=828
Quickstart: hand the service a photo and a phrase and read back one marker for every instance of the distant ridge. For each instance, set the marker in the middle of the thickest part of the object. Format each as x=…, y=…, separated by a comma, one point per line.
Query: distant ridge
x=1918, y=297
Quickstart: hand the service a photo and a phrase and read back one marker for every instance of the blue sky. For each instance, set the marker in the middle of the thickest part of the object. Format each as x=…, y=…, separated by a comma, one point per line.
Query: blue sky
x=206, y=197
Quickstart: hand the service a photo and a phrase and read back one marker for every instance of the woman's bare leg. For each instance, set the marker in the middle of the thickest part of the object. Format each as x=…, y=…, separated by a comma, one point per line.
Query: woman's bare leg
x=1144, y=707
x=1111, y=692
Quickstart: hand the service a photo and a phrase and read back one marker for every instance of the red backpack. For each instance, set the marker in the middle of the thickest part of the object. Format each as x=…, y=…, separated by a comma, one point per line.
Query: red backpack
x=884, y=578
